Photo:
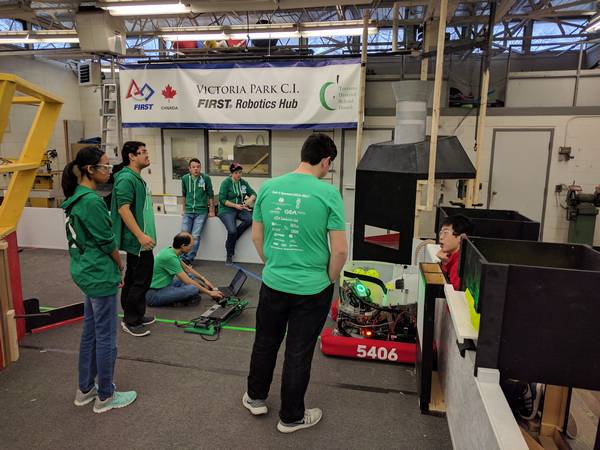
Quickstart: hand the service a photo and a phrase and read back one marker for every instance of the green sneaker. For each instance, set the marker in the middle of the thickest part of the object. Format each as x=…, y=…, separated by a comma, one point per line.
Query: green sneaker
x=118, y=400
x=82, y=399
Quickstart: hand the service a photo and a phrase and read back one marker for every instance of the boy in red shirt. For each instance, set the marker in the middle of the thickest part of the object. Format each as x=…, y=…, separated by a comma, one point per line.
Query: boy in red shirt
x=451, y=232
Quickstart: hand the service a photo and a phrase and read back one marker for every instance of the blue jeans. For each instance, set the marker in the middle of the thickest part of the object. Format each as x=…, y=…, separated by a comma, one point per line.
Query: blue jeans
x=98, y=348
x=193, y=223
x=177, y=291
x=234, y=232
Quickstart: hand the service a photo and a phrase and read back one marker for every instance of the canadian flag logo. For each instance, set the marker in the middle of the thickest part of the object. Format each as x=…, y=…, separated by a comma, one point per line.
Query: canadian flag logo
x=168, y=92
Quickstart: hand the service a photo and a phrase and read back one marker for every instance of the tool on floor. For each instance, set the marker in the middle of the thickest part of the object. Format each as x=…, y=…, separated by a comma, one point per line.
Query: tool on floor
x=210, y=322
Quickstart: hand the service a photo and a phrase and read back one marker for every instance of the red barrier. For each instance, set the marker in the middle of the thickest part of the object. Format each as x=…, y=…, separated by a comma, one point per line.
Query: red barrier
x=15, y=281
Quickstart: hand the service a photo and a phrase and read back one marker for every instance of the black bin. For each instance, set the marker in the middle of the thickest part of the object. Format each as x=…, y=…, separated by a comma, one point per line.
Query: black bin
x=540, y=309
x=493, y=223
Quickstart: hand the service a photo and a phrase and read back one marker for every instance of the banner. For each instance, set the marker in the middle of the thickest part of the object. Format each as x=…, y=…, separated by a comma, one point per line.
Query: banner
x=273, y=95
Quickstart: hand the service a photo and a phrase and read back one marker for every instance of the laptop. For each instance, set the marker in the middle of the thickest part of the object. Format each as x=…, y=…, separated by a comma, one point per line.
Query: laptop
x=236, y=284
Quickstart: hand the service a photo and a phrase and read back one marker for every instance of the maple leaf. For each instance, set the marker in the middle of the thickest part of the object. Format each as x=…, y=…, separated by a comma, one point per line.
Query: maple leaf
x=168, y=92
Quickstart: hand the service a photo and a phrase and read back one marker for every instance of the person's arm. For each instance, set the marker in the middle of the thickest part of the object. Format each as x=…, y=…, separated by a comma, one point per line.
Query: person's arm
x=183, y=188
x=184, y=277
x=190, y=270
x=129, y=220
x=211, y=197
x=339, y=253
x=258, y=237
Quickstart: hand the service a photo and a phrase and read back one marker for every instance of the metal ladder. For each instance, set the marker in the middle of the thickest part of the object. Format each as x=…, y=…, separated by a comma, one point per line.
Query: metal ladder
x=110, y=114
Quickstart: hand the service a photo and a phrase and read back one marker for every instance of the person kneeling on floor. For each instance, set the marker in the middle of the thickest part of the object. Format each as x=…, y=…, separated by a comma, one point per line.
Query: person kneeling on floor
x=174, y=282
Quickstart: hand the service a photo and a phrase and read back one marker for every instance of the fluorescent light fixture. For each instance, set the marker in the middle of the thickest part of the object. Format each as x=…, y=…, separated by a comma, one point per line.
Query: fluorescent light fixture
x=593, y=25
x=267, y=31
x=145, y=8
x=265, y=35
x=195, y=37
x=107, y=70
x=331, y=32
x=36, y=37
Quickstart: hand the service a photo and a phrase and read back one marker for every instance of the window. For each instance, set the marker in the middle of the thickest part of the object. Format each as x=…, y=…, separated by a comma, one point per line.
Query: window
x=252, y=149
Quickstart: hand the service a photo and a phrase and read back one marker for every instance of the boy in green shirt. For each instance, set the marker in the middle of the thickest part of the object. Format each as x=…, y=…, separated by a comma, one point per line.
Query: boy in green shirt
x=236, y=198
x=173, y=281
x=294, y=218
x=197, y=190
x=133, y=225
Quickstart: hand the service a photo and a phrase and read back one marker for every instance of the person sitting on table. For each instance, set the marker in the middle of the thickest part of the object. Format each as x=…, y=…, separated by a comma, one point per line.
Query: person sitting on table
x=173, y=281
x=236, y=199
x=452, y=230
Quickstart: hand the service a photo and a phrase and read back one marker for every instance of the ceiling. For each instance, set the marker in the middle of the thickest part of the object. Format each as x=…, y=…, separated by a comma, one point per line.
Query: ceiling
x=521, y=25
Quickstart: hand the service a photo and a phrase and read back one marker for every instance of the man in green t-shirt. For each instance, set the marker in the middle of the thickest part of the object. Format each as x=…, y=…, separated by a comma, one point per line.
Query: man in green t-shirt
x=197, y=190
x=173, y=281
x=295, y=216
x=133, y=225
x=236, y=198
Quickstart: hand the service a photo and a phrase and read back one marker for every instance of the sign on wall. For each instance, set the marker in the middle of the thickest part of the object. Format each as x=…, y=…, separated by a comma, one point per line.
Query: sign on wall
x=274, y=95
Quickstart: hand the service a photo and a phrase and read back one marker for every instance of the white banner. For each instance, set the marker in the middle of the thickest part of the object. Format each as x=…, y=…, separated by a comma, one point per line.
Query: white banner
x=287, y=94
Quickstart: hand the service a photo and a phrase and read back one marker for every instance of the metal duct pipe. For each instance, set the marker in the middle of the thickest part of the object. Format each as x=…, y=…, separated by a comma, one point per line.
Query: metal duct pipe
x=411, y=110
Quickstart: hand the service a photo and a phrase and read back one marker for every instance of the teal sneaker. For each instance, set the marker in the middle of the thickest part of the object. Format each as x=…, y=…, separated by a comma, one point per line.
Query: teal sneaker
x=82, y=399
x=118, y=400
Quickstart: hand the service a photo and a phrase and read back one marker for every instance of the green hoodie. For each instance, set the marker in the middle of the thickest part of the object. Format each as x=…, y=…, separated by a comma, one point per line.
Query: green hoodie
x=91, y=241
x=130, y=189
x=197, y=191
x=235, y=192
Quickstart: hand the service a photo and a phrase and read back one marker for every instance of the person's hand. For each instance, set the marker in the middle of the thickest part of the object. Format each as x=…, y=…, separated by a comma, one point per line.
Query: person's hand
x=443, y=256
x=211, y=212
x=218, y=295
x=146, y=242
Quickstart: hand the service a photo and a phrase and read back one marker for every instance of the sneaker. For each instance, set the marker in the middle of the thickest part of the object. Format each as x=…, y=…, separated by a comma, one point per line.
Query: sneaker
x=256, y=407
x=118, y=400
x=229, y=261
x=530, y=401
x=82, y=399
x=147, y=320
x=311, y=418
x=137, y=330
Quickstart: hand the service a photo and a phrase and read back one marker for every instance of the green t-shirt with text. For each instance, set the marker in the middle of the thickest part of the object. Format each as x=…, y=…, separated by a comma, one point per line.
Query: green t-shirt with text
x=166, y=266
x=297, y=211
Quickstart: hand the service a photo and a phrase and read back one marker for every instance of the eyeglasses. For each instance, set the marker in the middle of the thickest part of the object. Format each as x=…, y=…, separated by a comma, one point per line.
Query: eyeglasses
x=446, y=232
x=108, y=167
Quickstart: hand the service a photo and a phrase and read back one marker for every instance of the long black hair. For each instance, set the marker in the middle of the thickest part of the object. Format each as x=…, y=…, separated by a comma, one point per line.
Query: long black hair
x=129, y=147
x=72, y=173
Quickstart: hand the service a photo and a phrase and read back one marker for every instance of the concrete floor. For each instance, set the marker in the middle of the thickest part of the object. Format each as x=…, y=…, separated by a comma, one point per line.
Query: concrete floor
x=190, y=390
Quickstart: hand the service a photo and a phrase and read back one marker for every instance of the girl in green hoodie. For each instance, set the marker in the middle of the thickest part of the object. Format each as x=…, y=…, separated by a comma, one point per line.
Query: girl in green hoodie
x=96, y=269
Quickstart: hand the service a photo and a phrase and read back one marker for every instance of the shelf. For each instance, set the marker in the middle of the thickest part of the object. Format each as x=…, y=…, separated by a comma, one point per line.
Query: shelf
x=459, y=312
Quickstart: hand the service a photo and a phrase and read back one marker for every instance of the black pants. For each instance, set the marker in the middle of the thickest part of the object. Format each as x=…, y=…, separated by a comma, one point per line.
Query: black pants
x=304, y=316
x=137, y=282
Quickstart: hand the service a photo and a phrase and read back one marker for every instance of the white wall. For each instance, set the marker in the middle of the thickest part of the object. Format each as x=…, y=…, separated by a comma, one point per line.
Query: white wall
x=579, y=132
x=55, y=77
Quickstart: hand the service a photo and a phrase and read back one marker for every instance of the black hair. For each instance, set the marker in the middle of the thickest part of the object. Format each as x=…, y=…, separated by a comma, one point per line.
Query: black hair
x=181, y=239
x=460, y=224
x=87, y=156
x=316, y=147
x=196, y=160
x=129, y=147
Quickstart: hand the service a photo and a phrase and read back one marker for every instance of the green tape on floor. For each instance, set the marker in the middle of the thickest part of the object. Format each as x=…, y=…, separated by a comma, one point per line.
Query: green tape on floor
x=179, y=322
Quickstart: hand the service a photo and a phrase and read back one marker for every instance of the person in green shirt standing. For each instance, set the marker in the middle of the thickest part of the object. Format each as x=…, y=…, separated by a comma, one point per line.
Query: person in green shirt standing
x=135, y=232
x=197, y=190
x=96, y=268
x=297, y=217
x=173, y=281
x=236, y=198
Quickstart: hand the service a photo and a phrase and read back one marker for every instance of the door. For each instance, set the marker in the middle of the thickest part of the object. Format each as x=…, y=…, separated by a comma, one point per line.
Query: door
x=179, y=147
x=519, y=171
